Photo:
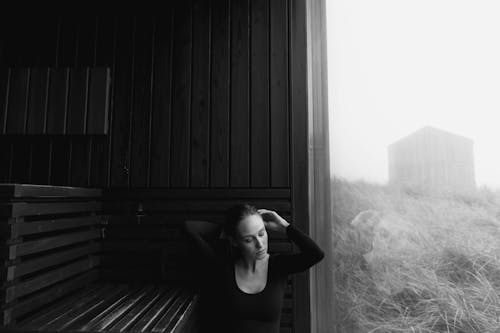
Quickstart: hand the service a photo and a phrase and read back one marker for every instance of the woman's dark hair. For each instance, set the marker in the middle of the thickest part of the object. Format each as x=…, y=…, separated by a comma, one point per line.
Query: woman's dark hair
x=235, y=214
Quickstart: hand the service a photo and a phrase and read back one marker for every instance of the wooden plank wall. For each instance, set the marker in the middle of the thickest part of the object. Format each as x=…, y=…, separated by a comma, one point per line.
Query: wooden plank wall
x=199, y=97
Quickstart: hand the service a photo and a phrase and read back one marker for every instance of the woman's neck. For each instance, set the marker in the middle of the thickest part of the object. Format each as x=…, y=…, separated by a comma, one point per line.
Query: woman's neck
x=252, y=265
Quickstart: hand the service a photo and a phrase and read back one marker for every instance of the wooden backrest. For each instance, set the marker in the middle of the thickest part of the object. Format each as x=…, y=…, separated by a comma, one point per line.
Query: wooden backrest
x=50, y=245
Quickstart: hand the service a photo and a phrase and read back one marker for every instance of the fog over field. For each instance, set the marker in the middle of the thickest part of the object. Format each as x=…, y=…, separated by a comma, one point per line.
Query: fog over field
x=398, y=65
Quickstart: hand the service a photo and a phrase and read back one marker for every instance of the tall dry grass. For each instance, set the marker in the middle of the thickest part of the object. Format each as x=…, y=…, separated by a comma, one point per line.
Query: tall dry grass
x=435, y=264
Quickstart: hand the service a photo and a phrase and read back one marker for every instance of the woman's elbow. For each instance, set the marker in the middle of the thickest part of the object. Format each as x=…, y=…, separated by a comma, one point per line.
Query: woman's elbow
x=320, y=255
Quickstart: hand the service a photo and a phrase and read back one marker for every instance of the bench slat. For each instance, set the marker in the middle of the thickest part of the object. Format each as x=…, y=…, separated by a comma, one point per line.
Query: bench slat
x=168, y=319
x=148, y=320
x=84, y=315
x=115, y=310
x=132, y=316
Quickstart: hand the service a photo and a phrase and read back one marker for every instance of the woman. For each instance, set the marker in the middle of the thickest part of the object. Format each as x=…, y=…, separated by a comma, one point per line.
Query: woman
x=242, y=289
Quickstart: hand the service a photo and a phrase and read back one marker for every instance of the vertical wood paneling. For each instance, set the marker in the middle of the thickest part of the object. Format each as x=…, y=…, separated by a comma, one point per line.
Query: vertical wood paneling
x=240, y=118
x=181, y=95
x=209, y=109
x=101, y=146
x=38, y=98
x=200, y=116
x=17, y=105
x=162, y=88
x=122, y=102
x=219, y=133
x=141, y=112
x=77, y=100
x=259, y=94
x=279, y=94
x=58, y=100
x=4, y=90
x=98, y=95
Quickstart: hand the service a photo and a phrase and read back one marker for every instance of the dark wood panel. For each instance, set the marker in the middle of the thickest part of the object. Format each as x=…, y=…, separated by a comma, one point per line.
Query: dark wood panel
x=280, y=146
x=40, y=160
x=60, y=161
x=21, y=155
x=240, y=119
x=67, y=42
x=77, y=100
x=99, y=161
x=162, y=99
x=120, y=152
x=38, y=98
x=219, y=134
x=58, y=100
x=99, y=88
x=80, y=161
x=105, y=41
x=141, y=110
x=5, y=162
x=181, y=95
x=17, y=106
x=259, y=90
x=200, y=116
x=86, y=41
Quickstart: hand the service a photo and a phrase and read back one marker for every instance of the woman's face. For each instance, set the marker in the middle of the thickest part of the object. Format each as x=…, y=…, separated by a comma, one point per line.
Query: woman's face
x=251, y=237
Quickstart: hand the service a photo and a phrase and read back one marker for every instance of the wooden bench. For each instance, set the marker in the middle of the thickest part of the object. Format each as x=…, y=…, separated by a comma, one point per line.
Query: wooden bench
x=52, y=242
x=88, y=260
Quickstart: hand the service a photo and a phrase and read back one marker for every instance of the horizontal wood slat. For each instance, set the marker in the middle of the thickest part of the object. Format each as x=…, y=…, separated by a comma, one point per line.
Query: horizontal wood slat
x=228, y=194
x=48, y=243
x=205, y=206
x=52, y=277
x=27, y=228
x=15, y=191
x=18, y=209
x=33, y=265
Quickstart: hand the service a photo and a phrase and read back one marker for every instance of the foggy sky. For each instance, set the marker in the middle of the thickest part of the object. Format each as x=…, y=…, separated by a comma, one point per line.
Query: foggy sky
x=398, y=65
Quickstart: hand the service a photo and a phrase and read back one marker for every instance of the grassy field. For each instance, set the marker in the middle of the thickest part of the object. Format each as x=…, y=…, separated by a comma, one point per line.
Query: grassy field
x=435, y=263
